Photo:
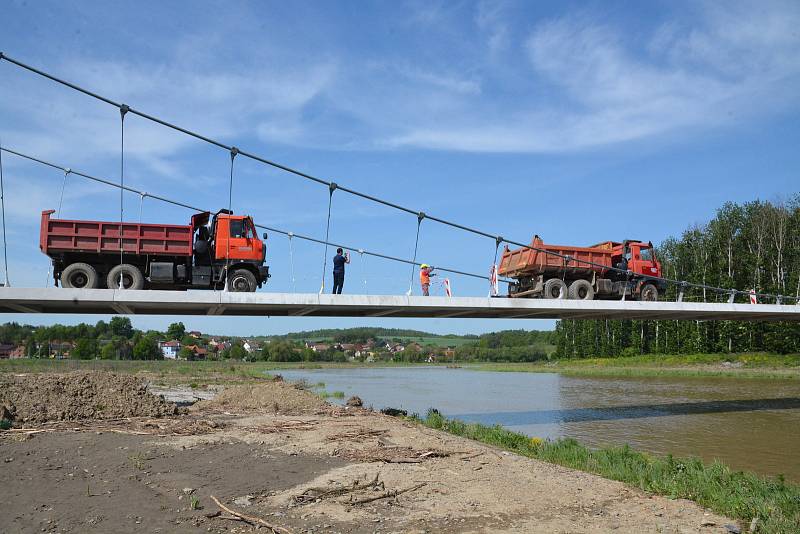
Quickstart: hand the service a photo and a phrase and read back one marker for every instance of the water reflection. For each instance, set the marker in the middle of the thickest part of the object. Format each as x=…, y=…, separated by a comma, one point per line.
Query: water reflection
x=750, y=424
x=540, y=417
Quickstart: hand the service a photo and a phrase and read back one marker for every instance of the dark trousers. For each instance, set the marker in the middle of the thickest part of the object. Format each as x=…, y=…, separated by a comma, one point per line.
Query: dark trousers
x=338, y=283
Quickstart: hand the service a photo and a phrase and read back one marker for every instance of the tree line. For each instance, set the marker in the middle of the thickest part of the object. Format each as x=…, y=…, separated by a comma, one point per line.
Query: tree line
x=753, y=245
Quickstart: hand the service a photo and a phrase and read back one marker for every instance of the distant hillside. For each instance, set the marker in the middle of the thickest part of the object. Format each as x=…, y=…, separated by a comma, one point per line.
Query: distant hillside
x=365, y=333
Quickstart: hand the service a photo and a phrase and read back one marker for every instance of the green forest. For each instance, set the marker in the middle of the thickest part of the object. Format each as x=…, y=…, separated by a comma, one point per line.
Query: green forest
x=755, y=245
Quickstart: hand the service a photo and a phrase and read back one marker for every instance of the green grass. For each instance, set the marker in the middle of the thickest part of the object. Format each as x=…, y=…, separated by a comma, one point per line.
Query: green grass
x=735, y=494
x=745, y=365
x=748, y=365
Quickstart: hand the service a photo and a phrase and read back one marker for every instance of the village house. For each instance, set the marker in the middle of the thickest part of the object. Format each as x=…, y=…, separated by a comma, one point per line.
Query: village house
x=320, y=347
x=5, y=350
x=170, y=349
x=59, y=349
x=17, y=353
x=251, y=346
x=195, y=334
x=198, y=353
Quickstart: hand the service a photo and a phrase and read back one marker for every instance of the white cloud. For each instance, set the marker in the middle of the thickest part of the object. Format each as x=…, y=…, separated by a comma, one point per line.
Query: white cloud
x=603, y=90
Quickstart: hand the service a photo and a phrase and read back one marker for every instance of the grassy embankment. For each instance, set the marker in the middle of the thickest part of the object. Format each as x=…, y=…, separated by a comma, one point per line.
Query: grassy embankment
x=745, y=365
x=735, y=494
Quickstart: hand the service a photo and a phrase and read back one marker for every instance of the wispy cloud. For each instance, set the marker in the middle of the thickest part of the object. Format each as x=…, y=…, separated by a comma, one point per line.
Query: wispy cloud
x=603, y=89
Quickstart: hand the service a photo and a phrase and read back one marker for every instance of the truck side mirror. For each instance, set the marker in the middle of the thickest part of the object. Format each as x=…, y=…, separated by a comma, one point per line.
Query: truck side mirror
x=265, y=235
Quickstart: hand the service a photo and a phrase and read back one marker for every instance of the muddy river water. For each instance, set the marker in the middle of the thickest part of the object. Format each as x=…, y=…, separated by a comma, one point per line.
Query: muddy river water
x=750, y=424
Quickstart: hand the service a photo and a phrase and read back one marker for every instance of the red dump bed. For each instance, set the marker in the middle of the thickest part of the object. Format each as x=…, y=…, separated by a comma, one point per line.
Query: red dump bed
x=530, y=262
x=60, y=235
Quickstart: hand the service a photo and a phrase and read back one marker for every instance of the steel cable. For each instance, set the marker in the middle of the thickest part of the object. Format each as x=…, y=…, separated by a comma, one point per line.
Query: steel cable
x=355, y=192
x=198, y=209
x=6, y=283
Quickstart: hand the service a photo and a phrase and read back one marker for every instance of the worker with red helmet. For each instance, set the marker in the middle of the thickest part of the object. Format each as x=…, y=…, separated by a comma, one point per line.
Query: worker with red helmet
x=425, y=273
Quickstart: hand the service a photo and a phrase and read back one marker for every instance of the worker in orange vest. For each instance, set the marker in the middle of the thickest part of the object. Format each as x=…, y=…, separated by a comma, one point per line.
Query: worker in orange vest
x=425, y=273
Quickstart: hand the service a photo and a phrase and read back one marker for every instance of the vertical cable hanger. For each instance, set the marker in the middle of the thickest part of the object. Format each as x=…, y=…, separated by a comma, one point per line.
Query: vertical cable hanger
x=493, y=274
x=7, y=283
x=363, y=271
x=141, y=204
x=420, y=217
x=59, y=214
x=123, y=109
x=234, y=153
x=290, y=235
x=331, y=188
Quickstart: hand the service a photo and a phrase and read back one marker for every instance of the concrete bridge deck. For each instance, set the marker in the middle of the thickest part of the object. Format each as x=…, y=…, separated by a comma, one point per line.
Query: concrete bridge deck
x=105, y=301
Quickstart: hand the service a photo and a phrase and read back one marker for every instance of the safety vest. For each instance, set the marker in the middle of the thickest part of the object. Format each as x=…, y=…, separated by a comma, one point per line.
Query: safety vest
x=424, y=276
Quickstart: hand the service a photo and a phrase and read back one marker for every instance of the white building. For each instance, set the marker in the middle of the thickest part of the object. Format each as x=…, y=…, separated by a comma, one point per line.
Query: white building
x=170, y=349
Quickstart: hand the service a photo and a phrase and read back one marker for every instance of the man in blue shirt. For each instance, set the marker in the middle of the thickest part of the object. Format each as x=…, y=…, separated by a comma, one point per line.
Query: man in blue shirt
x=338, y=270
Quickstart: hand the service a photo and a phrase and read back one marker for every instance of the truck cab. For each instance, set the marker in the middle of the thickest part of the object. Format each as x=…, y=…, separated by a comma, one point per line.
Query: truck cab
x=639, y=259
x=229, y=244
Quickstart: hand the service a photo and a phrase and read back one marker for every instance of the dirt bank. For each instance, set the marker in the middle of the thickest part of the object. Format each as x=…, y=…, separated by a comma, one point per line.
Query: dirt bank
x=39, y=398
x=317, y=470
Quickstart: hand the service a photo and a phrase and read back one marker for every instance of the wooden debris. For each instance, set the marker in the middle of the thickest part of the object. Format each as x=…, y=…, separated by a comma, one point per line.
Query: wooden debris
x=472, y=456
x=357, y=434
x=388, y=494
x=315, y=494
x=251, y=519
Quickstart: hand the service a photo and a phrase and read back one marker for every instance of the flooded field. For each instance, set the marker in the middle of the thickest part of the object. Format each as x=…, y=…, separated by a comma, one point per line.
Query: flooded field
x=749, y=424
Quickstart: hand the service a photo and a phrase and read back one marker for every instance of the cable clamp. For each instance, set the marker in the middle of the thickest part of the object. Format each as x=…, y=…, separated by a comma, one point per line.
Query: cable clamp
x=361, y=251
x=420, y=216
x=499, y=239
x=290, y=234
x=234, y=152
x=67, y=171
x=123, y=109
x=332, y=187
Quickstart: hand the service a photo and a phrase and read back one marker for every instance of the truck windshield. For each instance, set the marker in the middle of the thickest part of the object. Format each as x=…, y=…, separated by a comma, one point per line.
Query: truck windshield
x=646, y=254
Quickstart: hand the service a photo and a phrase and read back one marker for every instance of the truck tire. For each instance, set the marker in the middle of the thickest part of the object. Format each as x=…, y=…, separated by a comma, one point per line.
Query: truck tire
x=242, y=281
x=581, y=290
x=131, y=277
x=648, y=293
x=555, y=288
x=79, y=276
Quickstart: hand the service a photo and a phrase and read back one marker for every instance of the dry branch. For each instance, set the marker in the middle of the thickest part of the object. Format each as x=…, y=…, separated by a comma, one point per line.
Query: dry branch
x=252, y=519
x=388, y=494
x=314, y=494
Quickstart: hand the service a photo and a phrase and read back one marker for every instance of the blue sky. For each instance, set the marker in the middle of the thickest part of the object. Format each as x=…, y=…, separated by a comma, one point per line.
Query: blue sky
x=577, y=121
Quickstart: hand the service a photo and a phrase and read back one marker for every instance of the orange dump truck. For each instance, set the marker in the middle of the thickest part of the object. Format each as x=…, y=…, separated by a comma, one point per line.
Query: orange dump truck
x=583, y=273
x=86, y=254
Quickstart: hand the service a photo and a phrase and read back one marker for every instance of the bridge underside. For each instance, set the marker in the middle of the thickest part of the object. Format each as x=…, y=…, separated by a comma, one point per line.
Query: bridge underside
x=105, y=301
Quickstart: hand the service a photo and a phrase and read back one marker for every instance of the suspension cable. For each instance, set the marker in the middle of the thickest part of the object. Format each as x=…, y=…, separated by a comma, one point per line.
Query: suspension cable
x=420, y=217
x=234, y=151
x=123, y=109
x=63, y=187
x=331, y=189
x=6, y=283
x=343, y=188
x=363, y=270
x=289, y=236
x=198, y=209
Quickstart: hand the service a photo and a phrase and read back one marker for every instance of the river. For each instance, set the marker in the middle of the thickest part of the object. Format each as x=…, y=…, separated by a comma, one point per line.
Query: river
x=750, y=424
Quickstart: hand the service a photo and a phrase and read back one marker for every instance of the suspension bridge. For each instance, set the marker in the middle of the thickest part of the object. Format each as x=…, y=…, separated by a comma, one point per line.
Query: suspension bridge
x=723, y=305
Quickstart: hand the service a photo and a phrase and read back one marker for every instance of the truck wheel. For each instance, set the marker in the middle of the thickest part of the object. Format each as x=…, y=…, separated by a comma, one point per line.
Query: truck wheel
x=131, y=277
x=581, y=290
x=79, y=276
x=648, y=293
x=242, y=281
x=555, y=288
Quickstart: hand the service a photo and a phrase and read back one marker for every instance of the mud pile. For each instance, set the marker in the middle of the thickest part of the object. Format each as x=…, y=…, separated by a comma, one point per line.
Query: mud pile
x=38, y=398
x=267, y=397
